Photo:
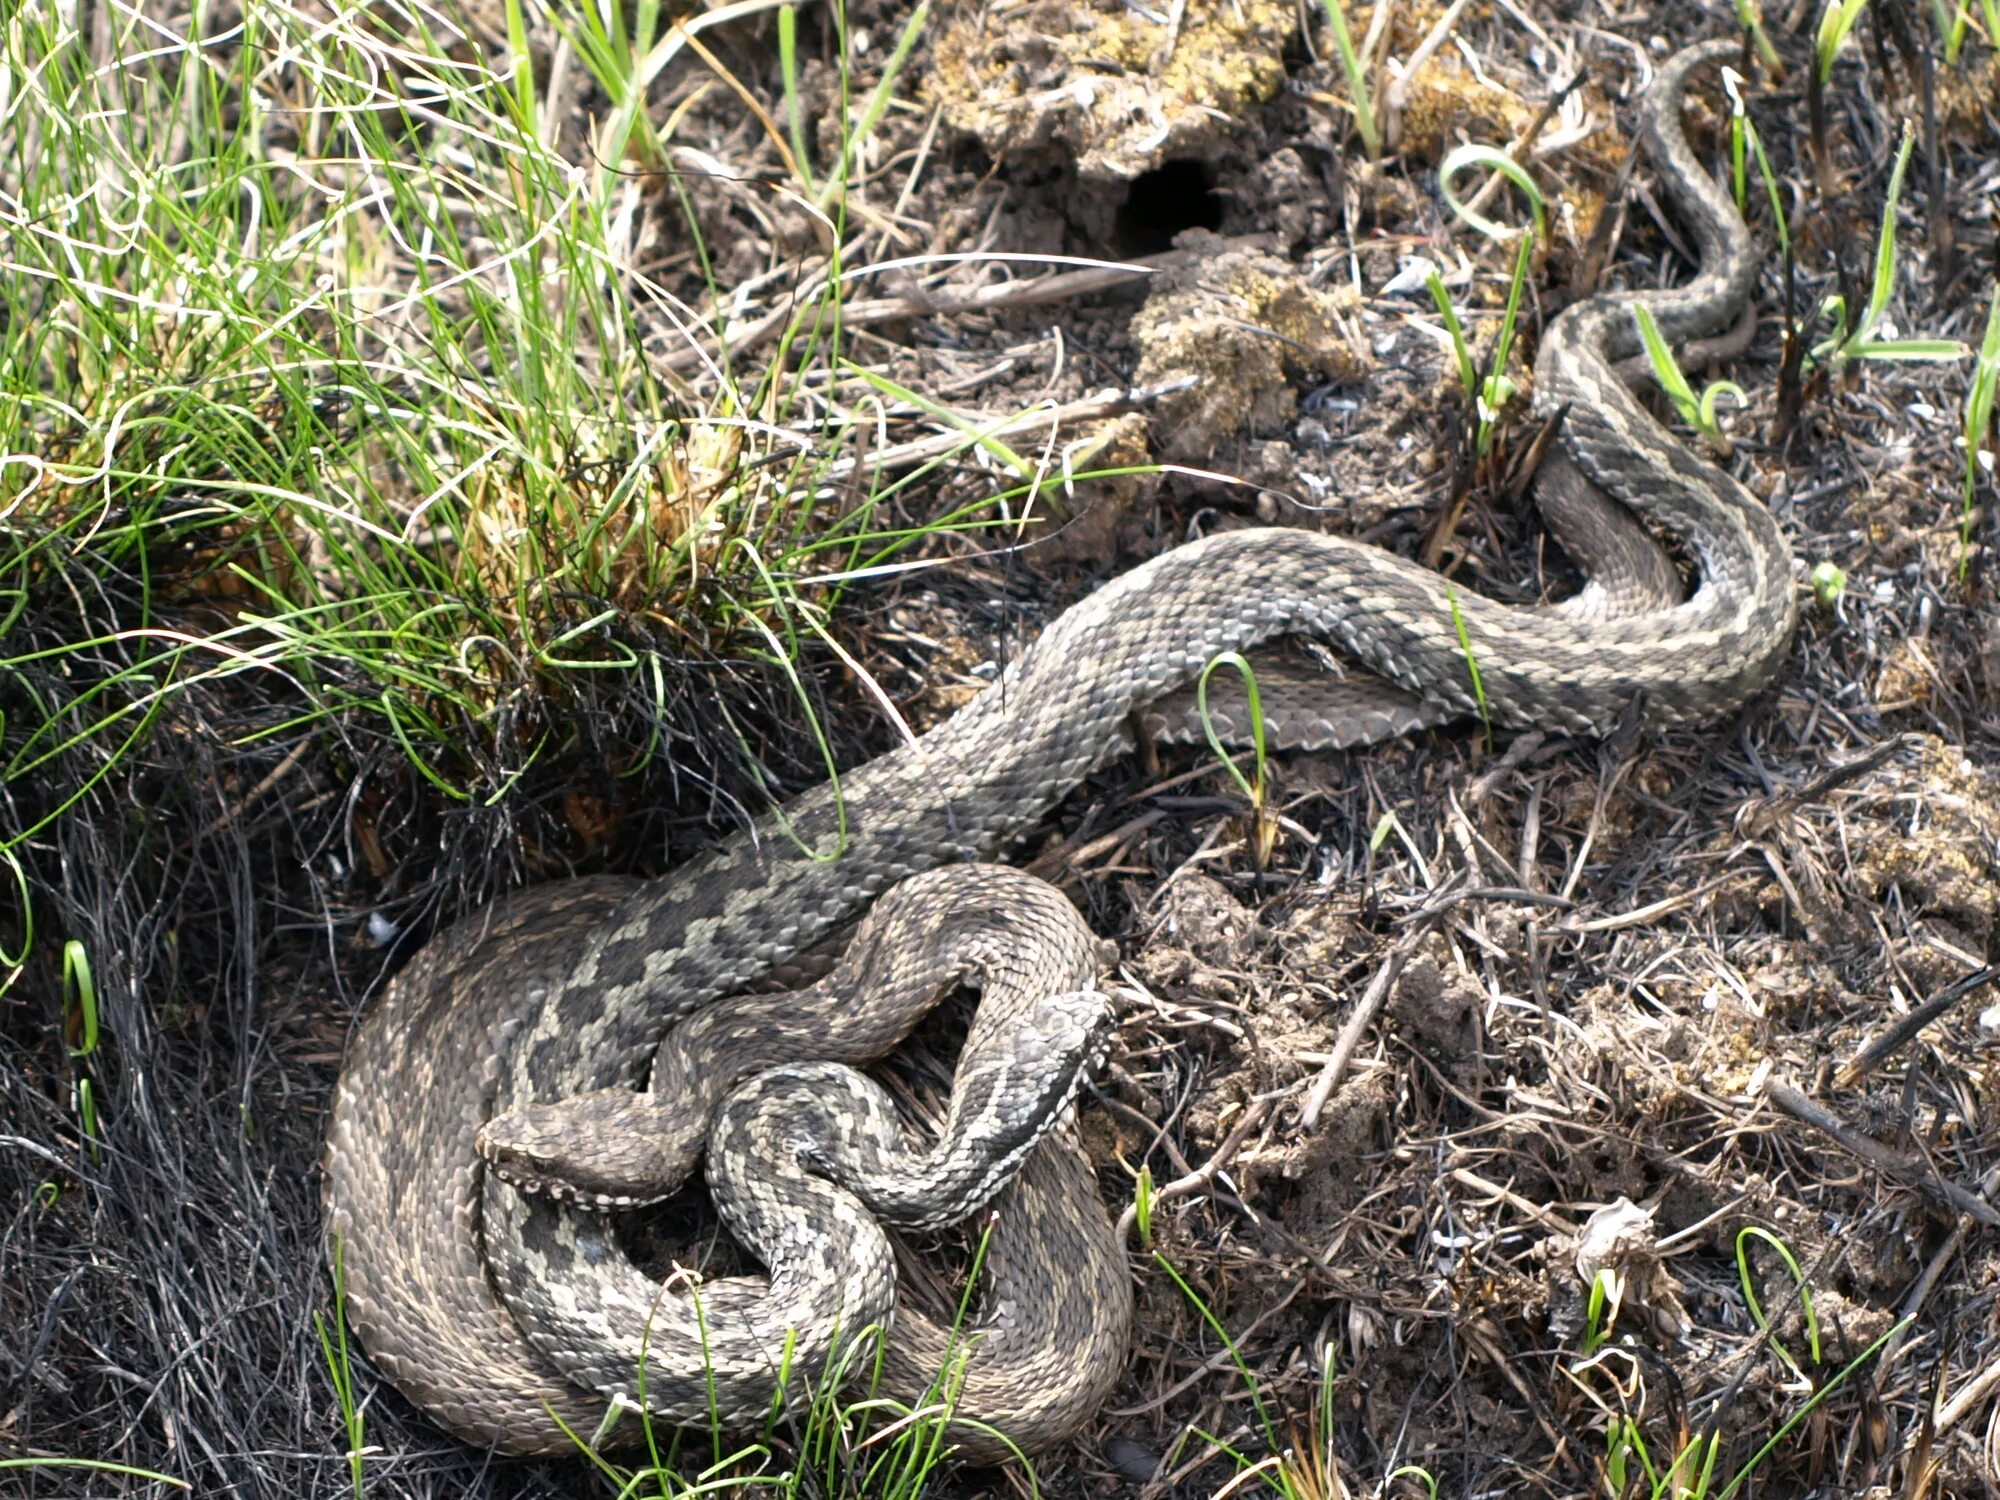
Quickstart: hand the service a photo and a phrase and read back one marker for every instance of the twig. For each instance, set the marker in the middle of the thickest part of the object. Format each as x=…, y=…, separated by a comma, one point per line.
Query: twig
x=1919, y=1173
x=1518, y=152
x=1425, y=923
x=1869, y=1057
x=1034, y=291
x=1051, y=863
x=1975, y=1391
x=1398, y=96
x=228, y=816
x=1644, y=914
x=1759, y=818
x=1913, y=1304
x=1103, y=404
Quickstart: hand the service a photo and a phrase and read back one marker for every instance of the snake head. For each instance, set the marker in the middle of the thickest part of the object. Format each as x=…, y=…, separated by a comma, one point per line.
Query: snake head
x=611, y=1149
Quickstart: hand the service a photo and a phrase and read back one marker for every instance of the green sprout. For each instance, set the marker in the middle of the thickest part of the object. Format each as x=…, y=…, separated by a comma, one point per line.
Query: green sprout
x=1357, y=78
x=1697, y=411
x=1857, y=340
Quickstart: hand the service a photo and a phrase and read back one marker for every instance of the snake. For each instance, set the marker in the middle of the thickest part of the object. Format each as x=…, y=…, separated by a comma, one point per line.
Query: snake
x=505, y=1313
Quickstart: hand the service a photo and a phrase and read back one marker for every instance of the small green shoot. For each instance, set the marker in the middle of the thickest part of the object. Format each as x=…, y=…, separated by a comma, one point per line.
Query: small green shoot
x=1750, y=15
x=1743, y=133
x=86, y=1114
x=333, y=1348
x=1835, y=22
x=1601, y=1311
x=1812, y=1403
x=1357, y=79
x=1743, y=1239
x=1304, y=1467
x=15, y=964
x=1468, y=372
x=1697, y=412
x=80, y=1018
x=1979, y=407
x=1385, y=825
x=1463, y=157
x=1621, y=1437
x=1499, y=388
x=1264, y=823
x=1829, y=582
x=79, y=998
x=1857, y=340
x=1952, y=24
x=1691, y=1475
x=1491, y=396
x=1142, y=1206
x=847, y=1439
x=1471, y=663
x=1229, y=1345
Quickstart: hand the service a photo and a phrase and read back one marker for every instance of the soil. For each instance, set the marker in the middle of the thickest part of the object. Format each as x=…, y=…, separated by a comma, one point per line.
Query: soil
x=1612, y=956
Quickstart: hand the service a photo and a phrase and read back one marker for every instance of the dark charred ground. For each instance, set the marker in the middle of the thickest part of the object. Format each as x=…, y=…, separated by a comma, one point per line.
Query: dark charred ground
x=1739, y=907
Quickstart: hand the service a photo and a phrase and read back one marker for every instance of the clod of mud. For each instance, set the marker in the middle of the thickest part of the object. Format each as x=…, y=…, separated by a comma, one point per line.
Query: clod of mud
x=1947, y=863
x=1107, y=87
x=1439, y=1014
x=1081, y=522
x=1246, y=325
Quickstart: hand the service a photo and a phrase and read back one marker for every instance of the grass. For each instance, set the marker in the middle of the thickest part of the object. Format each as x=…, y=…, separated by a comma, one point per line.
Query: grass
x=1144, y=1200
x=1296, y=1465
x=1697, y=411
x=1477, y=683
x=340, y=1370
x=362, y=400
x=88, y=1466
x=1954, y=25
x=1836, y=20
x=849, y=1440
x=1255, y=788
x=1855, y=338
x=1357, y=79
x=1491, y=392
x=1980, y=400
x=1750, y=15
x=1629, y=1466
x=1744, y=142
x=347, y=380
x=386, y=419
x=80, y=1003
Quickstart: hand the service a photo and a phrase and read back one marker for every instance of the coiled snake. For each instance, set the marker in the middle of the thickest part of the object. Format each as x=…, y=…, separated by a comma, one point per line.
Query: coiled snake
x=567, y=989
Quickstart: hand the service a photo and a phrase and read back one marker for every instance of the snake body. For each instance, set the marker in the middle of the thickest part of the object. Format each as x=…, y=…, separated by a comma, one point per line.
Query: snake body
x=806, y=1159
x=567, y=989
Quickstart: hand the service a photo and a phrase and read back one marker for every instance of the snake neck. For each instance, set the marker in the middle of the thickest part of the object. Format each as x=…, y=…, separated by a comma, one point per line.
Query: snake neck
x=1600, y=330
x=1744, y=589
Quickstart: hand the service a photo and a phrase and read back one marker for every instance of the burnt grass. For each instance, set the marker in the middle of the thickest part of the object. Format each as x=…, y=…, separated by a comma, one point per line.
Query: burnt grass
x=1648, y=970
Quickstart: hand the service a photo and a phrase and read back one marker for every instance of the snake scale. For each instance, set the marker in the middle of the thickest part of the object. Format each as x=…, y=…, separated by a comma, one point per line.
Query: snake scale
x=567, y=989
